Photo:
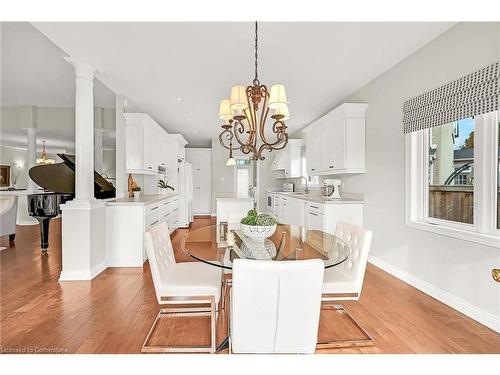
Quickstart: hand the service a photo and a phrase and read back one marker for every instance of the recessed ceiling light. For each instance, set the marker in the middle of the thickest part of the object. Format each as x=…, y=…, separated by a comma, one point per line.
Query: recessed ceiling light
x=179, y=99
x=195, y=131
x=189, y=118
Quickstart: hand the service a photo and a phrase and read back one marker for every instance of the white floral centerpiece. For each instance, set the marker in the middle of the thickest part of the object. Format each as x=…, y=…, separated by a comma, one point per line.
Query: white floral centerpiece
x=258, y=226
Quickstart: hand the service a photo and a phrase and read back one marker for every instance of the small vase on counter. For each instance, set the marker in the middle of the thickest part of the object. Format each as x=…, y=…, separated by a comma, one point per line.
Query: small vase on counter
x=137, y=192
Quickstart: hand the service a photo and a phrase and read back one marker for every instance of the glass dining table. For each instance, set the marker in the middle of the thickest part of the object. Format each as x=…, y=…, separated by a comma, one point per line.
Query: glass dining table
x=288, y=243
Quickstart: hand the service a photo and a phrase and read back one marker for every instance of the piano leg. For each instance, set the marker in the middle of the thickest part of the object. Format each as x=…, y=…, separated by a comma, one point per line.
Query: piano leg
x=44, y=232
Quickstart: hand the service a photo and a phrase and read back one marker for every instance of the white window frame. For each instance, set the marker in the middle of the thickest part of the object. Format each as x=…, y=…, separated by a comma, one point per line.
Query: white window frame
x=483, y=230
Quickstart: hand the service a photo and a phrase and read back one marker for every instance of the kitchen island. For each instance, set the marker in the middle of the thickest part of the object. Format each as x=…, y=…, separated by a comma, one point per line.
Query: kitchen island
x=231, y=208
x=127, y=219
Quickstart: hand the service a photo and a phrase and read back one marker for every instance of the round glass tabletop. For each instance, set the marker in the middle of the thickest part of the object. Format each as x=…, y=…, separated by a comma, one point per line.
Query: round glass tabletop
x=287, y=243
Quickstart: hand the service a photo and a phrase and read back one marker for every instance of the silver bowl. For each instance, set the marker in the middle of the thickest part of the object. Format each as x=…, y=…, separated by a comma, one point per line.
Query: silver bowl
x=328, y=190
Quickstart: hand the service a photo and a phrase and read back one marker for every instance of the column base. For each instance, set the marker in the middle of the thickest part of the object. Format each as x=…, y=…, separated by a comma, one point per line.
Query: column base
x=83, y=240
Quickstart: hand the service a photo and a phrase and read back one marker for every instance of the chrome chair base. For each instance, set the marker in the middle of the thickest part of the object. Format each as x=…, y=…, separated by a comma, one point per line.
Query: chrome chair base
x=345, y=343
x=184, y=311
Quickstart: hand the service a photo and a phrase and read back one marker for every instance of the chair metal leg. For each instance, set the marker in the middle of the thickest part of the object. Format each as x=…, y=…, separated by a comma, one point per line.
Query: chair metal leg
x=345, y=343
x=185, y=311
x=226, y=283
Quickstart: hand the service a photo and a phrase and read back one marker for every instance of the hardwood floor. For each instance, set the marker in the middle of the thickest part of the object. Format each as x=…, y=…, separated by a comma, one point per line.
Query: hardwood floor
x=113, y=312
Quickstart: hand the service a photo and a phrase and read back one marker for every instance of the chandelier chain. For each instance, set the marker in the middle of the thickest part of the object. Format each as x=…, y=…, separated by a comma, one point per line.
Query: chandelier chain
x=256, y=79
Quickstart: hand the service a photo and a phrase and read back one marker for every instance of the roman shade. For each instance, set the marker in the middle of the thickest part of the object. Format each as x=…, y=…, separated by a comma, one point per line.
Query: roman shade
x=474, y=94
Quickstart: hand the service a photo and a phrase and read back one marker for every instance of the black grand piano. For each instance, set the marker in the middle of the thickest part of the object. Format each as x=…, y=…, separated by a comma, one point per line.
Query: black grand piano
x=59, y=180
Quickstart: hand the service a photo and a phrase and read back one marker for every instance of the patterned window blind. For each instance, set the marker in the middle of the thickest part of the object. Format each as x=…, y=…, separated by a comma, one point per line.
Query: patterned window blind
x=472, y=95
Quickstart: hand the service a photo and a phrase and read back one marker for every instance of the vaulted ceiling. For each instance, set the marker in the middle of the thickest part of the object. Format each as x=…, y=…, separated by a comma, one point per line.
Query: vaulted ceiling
x=178, y=72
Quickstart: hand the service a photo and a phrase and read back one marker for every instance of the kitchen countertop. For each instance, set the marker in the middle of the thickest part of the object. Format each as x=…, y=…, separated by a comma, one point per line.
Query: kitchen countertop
x=319, y=199
x=231, y=196
x=143, y=200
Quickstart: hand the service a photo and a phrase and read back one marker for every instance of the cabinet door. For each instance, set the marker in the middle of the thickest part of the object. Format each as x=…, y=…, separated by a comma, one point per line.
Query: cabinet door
x=134, y=147
x=277, y=206
x=339, y=144
x=316, y=221
x=283, y=218
x=150, y=147
x=293, y=212
x=313, y=153
x=329, y=148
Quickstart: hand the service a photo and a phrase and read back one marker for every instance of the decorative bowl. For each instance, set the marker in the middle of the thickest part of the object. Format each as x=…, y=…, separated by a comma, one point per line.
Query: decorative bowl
x=258, y=231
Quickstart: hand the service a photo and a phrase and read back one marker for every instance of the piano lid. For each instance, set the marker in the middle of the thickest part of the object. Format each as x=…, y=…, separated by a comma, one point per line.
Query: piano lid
x=60, y=178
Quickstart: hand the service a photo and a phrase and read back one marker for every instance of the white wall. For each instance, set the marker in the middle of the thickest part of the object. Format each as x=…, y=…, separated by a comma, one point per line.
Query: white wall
x=222, y=176
x=455, y=270
x=16, y=158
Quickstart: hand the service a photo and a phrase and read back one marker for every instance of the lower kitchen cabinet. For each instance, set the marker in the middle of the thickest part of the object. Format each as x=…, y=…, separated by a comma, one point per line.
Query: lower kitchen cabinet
x=317, y=216
x=126, y=223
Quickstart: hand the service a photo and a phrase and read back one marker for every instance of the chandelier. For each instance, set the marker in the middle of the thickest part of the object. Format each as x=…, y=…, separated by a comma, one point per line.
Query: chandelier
x=245, y=115
x=44, y=159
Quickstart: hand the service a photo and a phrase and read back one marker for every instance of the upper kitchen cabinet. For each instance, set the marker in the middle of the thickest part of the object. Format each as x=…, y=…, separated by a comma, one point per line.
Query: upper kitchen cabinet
x=336, y=142
x=286, y=163
x=142, y=144
x=148, y=147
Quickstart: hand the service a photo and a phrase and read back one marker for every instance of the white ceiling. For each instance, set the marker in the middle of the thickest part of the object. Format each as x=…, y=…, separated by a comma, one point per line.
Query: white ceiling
x=34, y=71
x=153, y=64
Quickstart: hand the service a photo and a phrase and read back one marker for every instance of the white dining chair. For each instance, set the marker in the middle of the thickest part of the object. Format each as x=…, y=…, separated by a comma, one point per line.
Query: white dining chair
x=275, y=306
x=345, y=281
x=233, y=223
x=192, y=283
x=8, y=214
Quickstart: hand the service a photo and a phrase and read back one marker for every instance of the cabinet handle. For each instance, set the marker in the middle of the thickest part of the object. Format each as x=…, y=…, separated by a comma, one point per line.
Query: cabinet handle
x=331, y=166
x=150, y=167
x=153, y=223
x=166, y=215
x=313, y=169
x=316, y=207
x=312, y=213
x=154, y=208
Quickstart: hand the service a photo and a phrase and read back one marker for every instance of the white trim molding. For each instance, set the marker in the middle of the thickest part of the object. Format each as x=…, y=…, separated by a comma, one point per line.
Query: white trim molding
x=479, y=315
x=83, y=275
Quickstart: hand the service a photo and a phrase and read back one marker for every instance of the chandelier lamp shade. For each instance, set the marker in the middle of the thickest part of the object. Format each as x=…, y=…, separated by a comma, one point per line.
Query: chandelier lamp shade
x=246, y=113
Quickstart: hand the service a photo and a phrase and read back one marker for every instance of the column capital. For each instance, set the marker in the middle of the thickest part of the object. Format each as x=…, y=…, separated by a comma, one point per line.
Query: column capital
x=82, y=69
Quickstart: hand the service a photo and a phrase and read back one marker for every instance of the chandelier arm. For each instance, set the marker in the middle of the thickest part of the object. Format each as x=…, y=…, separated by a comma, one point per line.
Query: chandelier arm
x=227, y=135
x=239, y=128
x=271, y=147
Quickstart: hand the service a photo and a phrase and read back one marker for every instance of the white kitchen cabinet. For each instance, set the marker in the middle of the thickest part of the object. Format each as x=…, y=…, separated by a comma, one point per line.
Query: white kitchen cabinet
x=287, y=162
x=312, y=215
x=294, y=215
x=201, y=159
x=336, y=142
x=314, y=150
x=126, y=221
x=141, y=144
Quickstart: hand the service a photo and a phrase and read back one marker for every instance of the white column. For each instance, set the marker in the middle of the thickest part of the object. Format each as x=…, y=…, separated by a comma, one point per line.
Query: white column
x=83, y=219
x=31, y=155
x=84, y=131
x=121, y=176
x=98, y=133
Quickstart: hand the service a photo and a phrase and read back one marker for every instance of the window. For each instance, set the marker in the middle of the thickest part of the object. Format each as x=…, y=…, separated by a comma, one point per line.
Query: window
x=497, y=192
x=453, y=179
x=451, y=171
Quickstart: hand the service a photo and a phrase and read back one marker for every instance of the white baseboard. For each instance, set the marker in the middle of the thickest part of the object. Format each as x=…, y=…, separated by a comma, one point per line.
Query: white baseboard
x=466, y=308
x=97, y=269
x=82, y=275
